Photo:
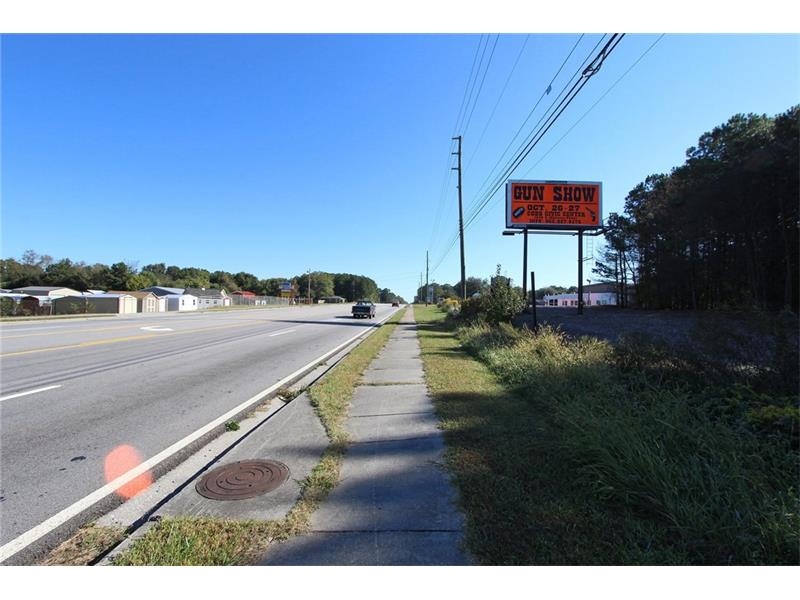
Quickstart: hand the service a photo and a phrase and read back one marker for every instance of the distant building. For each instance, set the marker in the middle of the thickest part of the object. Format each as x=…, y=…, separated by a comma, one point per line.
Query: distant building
x=50, y=292
x=209, y=297
x=598, y=294
x=163, y=291
x=92, y=304
x=146, y=302
x=181, y=302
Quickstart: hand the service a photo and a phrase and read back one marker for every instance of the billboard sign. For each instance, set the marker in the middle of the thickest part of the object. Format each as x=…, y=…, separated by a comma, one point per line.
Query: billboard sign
x=286, y=286
x=554, y=204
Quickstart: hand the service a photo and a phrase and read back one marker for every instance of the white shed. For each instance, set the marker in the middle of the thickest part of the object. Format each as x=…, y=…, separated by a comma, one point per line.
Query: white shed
x=181, y=302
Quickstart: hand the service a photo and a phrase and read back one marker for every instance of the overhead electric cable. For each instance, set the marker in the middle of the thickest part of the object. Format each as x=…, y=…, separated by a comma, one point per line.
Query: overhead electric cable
x=496, y=104
x=536, y=105
x=469, y=86
x=585, y=74
x=613, y=85
x=485, y=71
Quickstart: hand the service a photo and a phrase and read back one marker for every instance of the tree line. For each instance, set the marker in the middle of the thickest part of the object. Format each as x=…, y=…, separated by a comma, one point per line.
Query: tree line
x=719, y=231
x=482, y=286
x=35, y=269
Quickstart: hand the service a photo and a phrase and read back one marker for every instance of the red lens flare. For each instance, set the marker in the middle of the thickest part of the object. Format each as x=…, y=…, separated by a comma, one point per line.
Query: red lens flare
x=121, y=460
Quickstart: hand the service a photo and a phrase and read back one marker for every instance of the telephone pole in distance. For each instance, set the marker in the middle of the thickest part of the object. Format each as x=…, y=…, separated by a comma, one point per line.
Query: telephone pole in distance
x=460, y=221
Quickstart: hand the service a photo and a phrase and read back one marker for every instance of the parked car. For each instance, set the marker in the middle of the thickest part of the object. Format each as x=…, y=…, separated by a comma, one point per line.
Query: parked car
x=363, y=309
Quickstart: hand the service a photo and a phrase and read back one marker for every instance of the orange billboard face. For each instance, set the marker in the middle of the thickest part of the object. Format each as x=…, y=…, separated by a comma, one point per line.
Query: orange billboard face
x=553, y=204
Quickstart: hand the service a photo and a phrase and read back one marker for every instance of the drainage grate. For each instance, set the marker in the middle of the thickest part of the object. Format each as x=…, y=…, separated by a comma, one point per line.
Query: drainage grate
x=243, y=479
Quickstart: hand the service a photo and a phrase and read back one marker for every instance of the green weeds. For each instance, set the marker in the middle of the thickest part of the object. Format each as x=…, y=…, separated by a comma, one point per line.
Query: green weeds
x=626, y=455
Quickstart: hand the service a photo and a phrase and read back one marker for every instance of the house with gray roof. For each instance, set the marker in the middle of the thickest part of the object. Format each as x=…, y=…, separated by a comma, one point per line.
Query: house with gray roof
x=209, y=297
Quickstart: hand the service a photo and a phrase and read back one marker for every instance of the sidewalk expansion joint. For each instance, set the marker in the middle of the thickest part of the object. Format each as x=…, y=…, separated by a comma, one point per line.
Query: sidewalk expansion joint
x=385, y=531
x=386, y=383
x=415, y=412
x=394, y=440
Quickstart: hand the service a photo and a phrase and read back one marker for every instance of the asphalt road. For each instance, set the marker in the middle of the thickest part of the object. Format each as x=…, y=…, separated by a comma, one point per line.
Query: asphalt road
x=74, y=392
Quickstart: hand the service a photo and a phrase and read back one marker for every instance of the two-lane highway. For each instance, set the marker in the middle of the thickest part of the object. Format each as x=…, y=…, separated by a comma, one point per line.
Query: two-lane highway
x=72, y=393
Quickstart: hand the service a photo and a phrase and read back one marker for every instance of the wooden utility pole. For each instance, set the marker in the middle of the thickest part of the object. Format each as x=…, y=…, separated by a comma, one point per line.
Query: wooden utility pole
x=427, y=284
x=461, y=222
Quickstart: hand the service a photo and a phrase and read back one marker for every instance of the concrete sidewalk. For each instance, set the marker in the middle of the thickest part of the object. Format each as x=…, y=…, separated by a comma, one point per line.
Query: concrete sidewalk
x=394, y=504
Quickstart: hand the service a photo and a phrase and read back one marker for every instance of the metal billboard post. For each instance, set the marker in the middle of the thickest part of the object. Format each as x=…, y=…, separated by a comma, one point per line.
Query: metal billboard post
x=580, y=271
x=525, y=270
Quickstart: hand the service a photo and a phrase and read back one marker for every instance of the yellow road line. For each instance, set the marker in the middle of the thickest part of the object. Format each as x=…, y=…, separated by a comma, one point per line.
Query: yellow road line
x=122, y=339
x=24, y=335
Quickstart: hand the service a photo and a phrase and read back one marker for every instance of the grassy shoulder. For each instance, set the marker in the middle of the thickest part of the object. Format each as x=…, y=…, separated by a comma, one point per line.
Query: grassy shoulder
x=219, y=542
x=572, y=452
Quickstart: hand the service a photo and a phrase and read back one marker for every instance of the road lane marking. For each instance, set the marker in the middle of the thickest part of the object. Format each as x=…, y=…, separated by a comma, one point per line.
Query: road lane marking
x=71, y=330
x=29, y=537
x=155, y=328
x=122, y=339
x=81, y=345
x=282, y=332
x=29, y=392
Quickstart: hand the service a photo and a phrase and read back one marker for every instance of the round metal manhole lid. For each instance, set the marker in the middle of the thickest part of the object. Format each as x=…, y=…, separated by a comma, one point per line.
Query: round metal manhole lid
x=243, y=479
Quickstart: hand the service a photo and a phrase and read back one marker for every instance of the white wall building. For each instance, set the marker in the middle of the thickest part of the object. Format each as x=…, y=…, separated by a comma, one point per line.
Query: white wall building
x=589, y=299
x=181, y=302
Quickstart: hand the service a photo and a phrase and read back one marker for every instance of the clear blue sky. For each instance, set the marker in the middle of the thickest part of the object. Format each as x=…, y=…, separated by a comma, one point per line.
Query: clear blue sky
x=275, y=154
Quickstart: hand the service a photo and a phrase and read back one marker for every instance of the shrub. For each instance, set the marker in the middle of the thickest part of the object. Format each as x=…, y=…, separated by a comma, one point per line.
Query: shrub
x=711, y=466
x=498, y=305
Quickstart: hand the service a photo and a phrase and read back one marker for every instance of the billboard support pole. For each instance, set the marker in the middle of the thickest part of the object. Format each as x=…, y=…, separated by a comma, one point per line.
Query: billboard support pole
x=533, y=299
x=580, y=271
x=525, y=270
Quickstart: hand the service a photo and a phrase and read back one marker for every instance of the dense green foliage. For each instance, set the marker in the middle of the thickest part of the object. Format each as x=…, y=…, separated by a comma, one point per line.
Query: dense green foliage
x=497, y=304
x=35, y=269
x=475, y=285
x=722, y=229
x=702, y=458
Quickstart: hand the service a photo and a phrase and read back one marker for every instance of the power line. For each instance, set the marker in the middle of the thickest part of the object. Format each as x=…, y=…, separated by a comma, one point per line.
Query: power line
x=613, y=85
x=464, y=103
x=448, y=173
x=499, y=98
x=586, y=73
x=536, y=105
x=485, y=71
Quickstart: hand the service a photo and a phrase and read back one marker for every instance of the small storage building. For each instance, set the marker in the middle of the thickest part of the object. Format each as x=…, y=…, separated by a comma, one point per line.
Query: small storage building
x=181, y=302
x=146, y=302
x=99, y=303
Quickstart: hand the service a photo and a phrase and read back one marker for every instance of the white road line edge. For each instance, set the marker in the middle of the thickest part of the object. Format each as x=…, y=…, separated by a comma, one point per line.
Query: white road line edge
x=29, y=392
x=26, y=539
x=282, y=332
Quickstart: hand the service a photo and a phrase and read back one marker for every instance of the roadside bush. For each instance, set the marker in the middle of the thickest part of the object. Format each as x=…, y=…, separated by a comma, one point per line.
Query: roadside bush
x=451, y=306
x=498, y=305
x=710, y=468
x=6, y=307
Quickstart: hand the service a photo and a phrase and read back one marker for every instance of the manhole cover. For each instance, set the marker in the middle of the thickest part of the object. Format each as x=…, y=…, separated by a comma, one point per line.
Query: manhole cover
x=243, y=479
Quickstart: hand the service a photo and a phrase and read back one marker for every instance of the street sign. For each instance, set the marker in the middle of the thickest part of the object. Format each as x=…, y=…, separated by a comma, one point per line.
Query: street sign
x=554, y=204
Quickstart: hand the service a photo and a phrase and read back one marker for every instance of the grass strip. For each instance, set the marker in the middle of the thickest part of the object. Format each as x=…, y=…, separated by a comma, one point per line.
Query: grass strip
x=520, y=507
x=219, y=542
x=87, y=544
